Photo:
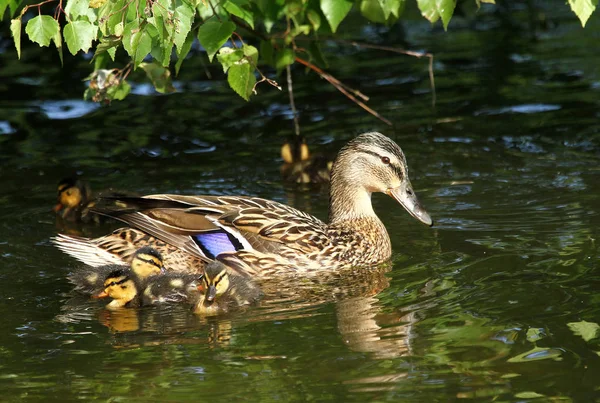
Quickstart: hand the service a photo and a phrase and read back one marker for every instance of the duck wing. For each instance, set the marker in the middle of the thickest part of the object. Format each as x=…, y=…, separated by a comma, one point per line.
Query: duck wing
x=206, y=226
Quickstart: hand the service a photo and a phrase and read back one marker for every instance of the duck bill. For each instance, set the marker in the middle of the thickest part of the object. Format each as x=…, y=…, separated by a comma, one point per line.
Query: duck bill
x=57, y=208
x=211, y=294
x=405, y=195
x=103, y=294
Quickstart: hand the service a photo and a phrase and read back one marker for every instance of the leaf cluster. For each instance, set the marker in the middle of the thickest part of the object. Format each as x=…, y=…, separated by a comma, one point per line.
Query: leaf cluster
x=158, y=35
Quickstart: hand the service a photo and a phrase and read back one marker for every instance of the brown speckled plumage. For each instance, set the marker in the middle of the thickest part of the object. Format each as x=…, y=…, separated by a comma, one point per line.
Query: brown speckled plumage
x=270, y=238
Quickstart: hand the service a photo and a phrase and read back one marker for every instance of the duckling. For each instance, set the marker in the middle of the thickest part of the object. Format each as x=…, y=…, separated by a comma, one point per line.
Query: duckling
x=74, y=201
x=89, y=280
x=223, y=290
x=129, y=291
x=302, y=167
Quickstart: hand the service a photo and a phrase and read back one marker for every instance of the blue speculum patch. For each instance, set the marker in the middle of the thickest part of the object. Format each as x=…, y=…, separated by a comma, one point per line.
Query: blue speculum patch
x=216, y=242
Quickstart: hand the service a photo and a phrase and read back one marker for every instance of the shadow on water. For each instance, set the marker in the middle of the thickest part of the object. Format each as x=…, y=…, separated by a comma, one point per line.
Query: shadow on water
x=498, y=301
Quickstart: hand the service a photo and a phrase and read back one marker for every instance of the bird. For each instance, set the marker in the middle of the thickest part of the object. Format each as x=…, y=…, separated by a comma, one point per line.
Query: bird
x=300, y=166
x=224, y=291
x=90, y=280
x=262, y=238
x=129, y=291
x=74, y=200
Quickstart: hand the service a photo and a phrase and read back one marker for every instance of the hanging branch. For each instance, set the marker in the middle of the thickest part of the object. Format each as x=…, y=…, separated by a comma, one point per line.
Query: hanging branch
x=342, y=88
x=292, y=103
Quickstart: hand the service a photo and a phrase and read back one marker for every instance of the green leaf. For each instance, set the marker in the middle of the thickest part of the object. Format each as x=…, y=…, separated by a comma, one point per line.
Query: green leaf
x=241, y=79
x=42, y=29
x=57, y=39
x=583, y=9
x=79, y=36
x=160, y=77
x=314, y=18
x=213, y=34
x=434, y=9
x=251, y=52
x=284, y=58
x=392, y=7
x=107, y=43
x=136, y=41
x=184, y=18
x=118, y=92
x=236, y=8
x=76, y=8
x=372, y=10
x=15, y=29
x=228, y=57
x=335, y=11
x=271, y=11
x=587, y=330
x=183, y=52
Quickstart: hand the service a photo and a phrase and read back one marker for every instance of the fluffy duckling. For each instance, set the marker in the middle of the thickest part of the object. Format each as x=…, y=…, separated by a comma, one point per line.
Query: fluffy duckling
x=146, y=262
x=302, y=167
x=74, y=201
x=129, y=291
x=224, y=290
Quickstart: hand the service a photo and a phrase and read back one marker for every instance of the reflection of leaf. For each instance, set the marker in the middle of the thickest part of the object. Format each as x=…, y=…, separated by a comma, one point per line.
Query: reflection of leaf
x=536, y=354
x=534, y=334
x=528, y=395
x=587, y=330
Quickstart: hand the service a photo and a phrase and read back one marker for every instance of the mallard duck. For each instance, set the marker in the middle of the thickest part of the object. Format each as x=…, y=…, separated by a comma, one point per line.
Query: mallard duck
x=224, y=290
x=90, y=280
x=302, y=167
x=263, y=238
x=74, y=201
x=129, y=291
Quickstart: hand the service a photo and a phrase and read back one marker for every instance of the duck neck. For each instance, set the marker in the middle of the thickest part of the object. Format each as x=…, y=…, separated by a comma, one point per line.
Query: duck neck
x=349, y=202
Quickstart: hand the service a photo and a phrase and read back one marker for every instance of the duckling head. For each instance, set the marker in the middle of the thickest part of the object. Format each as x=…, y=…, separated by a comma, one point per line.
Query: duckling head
x=215, y=281
x=147, y=262
x=72, y=193
x=371, y=163
x=120, y=287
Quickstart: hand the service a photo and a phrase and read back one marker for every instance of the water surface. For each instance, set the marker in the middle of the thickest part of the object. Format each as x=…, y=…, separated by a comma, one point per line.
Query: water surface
x=477, y=307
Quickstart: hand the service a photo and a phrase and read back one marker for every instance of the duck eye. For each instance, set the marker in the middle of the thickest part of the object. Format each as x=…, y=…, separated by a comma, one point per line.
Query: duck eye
x=385, y=160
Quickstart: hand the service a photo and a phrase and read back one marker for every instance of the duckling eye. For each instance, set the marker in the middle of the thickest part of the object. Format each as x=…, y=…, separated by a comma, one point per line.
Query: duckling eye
x=385, y=160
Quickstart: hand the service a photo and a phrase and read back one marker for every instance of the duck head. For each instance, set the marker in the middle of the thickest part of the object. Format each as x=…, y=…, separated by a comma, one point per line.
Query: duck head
x=371, y=163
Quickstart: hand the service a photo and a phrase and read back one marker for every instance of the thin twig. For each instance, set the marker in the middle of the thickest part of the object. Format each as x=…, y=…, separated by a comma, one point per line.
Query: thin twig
x=292, y=103
x=403, y=52
x=341, y=88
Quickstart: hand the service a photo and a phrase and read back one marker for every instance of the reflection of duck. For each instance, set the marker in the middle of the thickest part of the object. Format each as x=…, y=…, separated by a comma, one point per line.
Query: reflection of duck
x=90, y=280
x=261, y=237
x=224, y=290
x=74, y=201
x=302, y=167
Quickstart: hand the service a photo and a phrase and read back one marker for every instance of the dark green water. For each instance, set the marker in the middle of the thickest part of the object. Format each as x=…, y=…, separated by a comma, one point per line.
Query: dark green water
x=477, y=307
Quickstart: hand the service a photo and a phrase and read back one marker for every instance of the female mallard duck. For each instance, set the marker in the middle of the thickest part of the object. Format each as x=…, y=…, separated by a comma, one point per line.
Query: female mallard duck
x=223, y=290
x=302, y=167
x=74, y=201
x=129, y=291
x=260, y=237
x=90, y=280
